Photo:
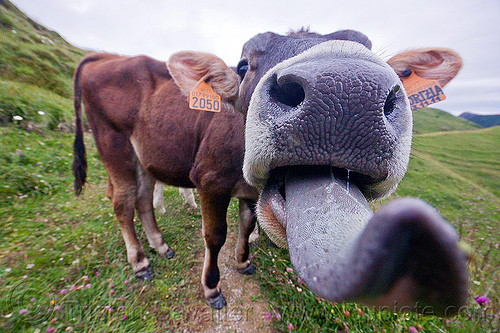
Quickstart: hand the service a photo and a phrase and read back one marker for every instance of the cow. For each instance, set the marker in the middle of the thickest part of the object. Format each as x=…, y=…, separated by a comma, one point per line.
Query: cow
x=145, y=132
x=328, y=129
x=159, y=200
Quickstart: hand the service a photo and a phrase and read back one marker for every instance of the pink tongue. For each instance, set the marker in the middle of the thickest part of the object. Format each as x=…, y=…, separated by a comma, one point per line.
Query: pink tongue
x=325, y=216
x=315, y=196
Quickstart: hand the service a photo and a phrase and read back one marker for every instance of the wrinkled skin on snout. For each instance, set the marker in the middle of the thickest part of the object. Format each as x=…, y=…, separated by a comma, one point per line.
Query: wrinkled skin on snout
x=328, y=129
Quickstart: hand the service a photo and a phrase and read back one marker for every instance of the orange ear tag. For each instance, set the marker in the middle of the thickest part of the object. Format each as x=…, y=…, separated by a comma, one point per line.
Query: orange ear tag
x=204, y=98
x=422, y=92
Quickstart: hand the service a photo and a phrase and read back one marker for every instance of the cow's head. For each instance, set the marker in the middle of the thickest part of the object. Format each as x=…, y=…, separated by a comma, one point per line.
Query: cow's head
x=328, y=128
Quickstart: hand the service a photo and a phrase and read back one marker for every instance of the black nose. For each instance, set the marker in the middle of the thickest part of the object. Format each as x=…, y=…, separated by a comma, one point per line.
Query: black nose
x=288, y=90
x=391, y=100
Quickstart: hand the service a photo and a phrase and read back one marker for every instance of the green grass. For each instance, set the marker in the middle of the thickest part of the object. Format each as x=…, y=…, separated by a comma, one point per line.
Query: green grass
x=39, y=108
x=429, y=120
x=473, y=155
x=54, y=245
x=59, y=254
x=34, y=60
x=33, y=54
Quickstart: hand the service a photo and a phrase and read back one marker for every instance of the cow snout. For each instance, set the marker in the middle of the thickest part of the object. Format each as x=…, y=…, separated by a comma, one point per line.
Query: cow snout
x=337, y=110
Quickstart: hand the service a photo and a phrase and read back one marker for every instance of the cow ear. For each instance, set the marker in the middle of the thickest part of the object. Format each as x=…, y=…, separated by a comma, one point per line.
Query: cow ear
x=189, y=68
x=432, y=63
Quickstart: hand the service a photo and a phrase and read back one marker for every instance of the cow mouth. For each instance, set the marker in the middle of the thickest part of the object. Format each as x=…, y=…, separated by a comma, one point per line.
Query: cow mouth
x=403, y=255
x=272, y=207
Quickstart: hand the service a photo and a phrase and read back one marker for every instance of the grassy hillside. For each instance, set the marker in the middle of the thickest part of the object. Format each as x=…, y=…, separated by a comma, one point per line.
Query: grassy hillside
x=36, y=68
x=63, y=261
x=429, y=120
x=473, y=155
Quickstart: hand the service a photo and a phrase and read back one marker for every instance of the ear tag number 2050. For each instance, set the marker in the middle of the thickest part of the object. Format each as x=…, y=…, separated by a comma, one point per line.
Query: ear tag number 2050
x=204, y=98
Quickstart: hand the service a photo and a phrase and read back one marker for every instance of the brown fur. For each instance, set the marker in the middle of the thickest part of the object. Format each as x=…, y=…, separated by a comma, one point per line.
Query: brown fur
x=144, y=131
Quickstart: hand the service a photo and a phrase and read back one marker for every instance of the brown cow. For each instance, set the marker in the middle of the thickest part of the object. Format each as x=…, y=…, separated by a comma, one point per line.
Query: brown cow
x=145, y=131
x=328, y=127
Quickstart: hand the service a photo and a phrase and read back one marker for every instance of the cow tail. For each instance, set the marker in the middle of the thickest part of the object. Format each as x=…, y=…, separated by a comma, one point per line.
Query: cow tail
x=80, y=156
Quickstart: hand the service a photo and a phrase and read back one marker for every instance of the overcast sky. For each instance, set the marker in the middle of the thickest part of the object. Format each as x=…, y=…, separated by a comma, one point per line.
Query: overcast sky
x=159, y=28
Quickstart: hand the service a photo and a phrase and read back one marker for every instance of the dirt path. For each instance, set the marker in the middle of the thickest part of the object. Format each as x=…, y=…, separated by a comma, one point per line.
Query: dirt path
x=245, y=304
x=451, y=132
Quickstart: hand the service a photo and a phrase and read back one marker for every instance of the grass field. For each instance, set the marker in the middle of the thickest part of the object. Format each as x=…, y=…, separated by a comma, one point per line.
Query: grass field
x=63, y=261
x=62, y=258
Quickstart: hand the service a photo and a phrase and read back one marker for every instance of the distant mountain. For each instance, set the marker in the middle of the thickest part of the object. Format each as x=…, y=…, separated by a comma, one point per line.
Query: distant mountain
x=482, y=120
x=428, y=120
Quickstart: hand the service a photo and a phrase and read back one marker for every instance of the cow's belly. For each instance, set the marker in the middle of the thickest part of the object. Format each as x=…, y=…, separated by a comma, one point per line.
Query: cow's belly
x=169, y=163
x=179, y=178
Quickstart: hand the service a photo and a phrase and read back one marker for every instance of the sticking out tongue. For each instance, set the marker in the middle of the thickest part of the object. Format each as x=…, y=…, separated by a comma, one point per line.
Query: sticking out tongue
x=403, y=255
x=325, y=213
x=322, y=192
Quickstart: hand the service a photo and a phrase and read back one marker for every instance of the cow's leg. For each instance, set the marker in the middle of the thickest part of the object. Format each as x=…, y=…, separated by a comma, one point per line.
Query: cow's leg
x=144, y=206
x=246, y=226
x=188, y=195
x=120, y=162
x=123, y=198
x=214, y=229
x=158, y=199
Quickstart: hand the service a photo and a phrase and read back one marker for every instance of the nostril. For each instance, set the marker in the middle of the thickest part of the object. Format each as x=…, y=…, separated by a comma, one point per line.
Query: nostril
x=390, y=101
x=288, y=91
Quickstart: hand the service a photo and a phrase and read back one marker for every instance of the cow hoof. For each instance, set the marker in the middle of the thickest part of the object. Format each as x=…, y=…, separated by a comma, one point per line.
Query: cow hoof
x=169, y=254
x=249, y=270
x=217, y=302
x=145, y=274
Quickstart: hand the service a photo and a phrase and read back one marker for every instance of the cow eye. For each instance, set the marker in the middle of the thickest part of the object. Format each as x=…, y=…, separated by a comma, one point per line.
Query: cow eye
x=242, y=68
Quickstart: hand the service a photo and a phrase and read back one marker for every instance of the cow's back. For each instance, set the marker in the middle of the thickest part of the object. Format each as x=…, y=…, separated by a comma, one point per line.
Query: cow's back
x=115, y=87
